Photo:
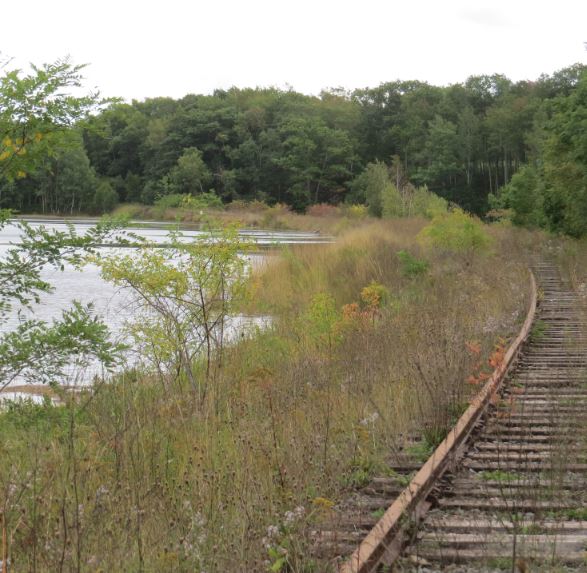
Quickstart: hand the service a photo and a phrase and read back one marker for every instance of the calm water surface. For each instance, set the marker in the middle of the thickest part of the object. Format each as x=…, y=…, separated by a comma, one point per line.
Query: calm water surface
x=113, y=304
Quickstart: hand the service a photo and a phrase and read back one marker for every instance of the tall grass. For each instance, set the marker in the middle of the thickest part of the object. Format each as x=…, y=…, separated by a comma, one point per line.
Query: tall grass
x=367, y=345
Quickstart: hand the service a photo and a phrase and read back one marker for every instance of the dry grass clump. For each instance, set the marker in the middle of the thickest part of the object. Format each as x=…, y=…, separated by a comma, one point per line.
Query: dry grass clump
x=369, y=341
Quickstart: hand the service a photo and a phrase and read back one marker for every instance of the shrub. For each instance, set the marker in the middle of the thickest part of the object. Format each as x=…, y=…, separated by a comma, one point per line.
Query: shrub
x=207, y=200
x=172, y=201
x=455, y=231
x=411, y=266
x=356, y=211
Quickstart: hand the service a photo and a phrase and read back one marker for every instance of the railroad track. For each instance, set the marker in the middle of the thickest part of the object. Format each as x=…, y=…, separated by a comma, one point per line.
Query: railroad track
x=507, y=489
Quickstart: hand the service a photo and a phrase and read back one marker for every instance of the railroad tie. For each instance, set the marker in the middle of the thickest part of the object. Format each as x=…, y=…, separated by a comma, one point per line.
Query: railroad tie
x=517, y=499
x=520, y=495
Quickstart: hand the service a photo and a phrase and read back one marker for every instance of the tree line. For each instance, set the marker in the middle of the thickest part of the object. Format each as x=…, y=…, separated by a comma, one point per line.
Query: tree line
x=463, y=142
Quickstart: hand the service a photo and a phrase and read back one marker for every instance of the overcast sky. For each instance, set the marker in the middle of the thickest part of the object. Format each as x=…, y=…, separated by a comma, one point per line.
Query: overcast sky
x=138, y=49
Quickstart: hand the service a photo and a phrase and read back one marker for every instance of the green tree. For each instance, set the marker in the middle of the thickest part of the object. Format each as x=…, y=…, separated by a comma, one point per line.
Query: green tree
x=34, y=107
x=105, y=198
x=456, y=231
x=66, y=183
x=524, y=195
x=371, y=185
x=191, y=175
x=565, y=164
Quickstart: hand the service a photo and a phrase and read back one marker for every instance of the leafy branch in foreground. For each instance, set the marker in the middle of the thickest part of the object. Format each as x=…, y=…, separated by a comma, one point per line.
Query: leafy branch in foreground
x=35, y=350
x=39, y=353
x=38, y=248
x=34, y=109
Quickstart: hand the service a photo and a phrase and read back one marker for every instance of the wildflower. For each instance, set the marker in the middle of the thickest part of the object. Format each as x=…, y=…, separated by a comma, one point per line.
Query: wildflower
x=272, y=531
x=300, y=511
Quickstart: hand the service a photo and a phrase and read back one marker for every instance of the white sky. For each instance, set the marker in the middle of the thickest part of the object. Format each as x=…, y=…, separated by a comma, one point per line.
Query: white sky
x=138, y=49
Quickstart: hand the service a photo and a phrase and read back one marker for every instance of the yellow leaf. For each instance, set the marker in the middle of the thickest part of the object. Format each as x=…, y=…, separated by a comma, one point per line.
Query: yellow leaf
x=20, y=175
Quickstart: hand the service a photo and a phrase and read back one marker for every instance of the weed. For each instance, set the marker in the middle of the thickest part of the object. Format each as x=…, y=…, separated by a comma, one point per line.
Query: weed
x=576, y=514
x=421, y=451
x=499, y=475
x=538, y=330
x=411, y=266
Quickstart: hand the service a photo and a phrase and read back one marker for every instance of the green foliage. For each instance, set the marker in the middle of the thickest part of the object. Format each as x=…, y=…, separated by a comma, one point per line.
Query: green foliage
x=421, y=451
x=33, y=109
x=356, y=211
x=392, y=204
x=538, y=330
x=26, y=414
x=551, y=191
x=320, y=320
x=105, y=198
x=38, y=352
x=456, y=231
x=461, y=142
x=524, y=195
x=565, y=164
x=35, y=350
x=427, y=204
x=371, y=185
x=499, y=475
x=375, y=295
x=185, y=293
x=389, y=194
x=412, y=266
x=191, y=175
x=206, y=200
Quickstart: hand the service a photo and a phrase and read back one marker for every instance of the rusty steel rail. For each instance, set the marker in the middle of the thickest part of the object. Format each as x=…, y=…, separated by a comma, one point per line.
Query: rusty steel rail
x=384, y=543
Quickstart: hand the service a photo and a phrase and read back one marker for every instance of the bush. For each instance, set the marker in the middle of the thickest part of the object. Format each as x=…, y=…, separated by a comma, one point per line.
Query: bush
x=411, y=266
x=207, y=200
x=455, y=231
x=355, y=211
x=172, y=201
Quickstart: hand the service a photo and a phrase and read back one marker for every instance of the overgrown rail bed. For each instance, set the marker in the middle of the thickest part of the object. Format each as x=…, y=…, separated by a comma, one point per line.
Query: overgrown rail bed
x=516, y=497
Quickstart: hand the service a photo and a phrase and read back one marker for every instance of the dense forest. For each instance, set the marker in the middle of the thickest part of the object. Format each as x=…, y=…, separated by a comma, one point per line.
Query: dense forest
x=488, y=144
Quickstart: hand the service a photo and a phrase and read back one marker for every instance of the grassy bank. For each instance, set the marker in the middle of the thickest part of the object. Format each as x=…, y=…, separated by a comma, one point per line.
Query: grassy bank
x=254, y=215
x=383, y=334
